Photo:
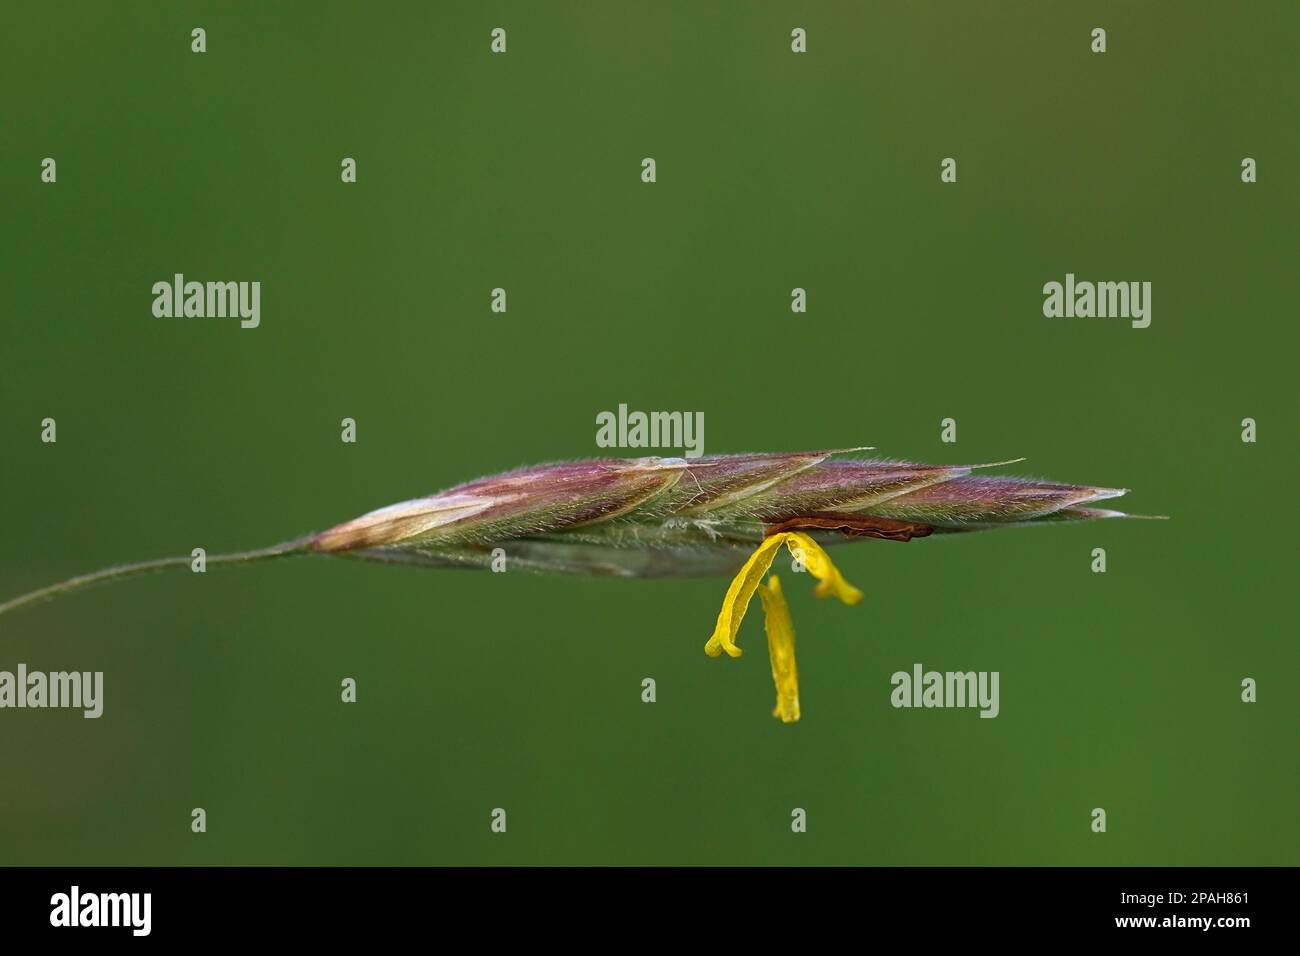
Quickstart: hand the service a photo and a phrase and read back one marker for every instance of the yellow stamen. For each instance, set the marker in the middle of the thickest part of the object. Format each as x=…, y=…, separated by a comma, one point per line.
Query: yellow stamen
x=819, y=565
x=739, y=594
x=780, y=647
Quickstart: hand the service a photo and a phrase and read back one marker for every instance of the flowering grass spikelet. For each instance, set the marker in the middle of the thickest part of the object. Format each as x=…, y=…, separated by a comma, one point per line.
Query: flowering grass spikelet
x=664, y=517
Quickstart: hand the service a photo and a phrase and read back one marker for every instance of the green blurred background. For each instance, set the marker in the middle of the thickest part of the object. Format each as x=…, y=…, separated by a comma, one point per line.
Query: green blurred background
x=775, y=170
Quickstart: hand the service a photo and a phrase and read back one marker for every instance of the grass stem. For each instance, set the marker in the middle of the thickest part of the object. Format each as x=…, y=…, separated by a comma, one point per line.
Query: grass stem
x=285, y=550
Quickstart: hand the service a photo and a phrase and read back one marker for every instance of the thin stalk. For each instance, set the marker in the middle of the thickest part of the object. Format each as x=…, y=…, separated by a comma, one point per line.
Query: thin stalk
x=284, y=550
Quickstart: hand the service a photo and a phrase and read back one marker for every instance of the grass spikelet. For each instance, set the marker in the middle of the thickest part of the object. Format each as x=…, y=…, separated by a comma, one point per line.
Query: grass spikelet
x=661, y=517
x=653, y=517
